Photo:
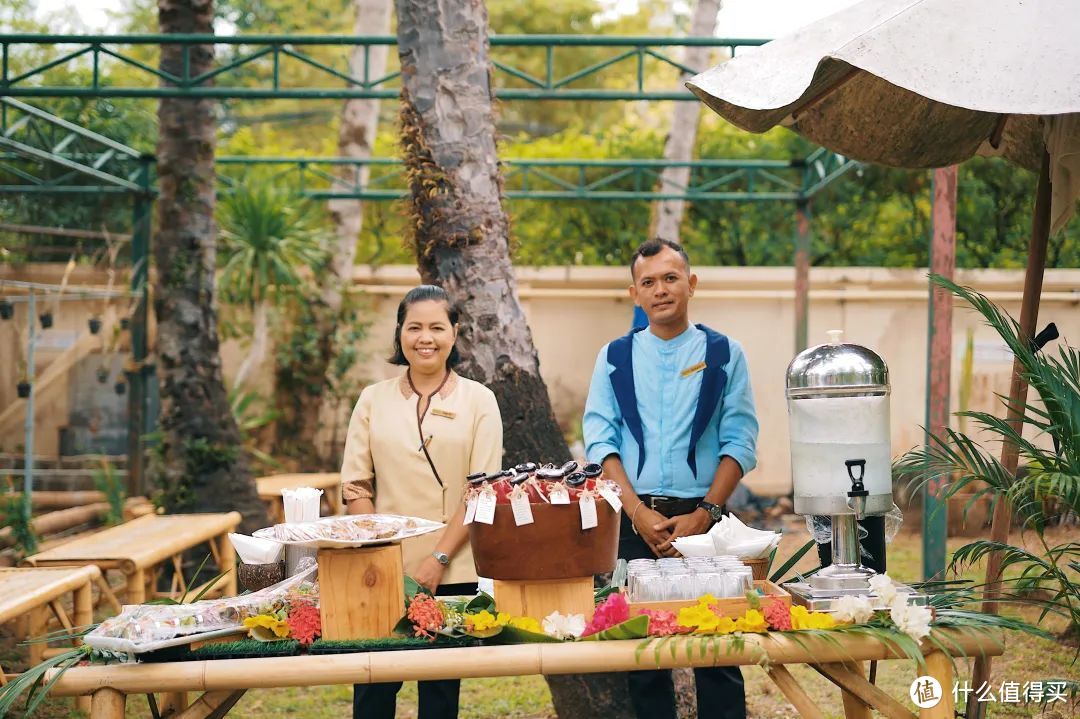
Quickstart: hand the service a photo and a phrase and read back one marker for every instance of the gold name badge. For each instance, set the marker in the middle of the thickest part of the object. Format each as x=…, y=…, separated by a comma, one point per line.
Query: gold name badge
x=443, y=413
x=693, y=369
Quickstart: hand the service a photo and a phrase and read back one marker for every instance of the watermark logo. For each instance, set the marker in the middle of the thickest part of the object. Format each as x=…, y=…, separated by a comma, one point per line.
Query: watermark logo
x=925, y=692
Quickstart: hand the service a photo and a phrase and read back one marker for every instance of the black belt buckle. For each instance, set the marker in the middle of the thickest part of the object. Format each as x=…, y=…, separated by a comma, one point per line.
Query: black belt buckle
x=671, y=506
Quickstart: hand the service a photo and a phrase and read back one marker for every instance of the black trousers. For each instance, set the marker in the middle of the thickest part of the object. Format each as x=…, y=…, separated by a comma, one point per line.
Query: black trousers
x=438, y=699
x=720, y=690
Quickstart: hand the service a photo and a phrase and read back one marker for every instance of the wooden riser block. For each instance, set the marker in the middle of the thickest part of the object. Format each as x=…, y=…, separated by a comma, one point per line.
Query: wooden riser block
x=539, y=598
x=361, y=592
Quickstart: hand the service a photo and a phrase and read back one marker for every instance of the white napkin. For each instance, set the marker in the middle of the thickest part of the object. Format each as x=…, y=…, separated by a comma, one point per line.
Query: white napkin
x=301, y=504
x=695, y=545
x=731, y=536
x=253, y=550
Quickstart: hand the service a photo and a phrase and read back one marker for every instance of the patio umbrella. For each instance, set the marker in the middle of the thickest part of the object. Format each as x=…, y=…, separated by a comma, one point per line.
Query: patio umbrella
x=923, y=84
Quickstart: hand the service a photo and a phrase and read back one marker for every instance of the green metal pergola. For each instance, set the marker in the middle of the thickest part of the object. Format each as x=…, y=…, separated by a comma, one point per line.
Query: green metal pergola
x=44, y=154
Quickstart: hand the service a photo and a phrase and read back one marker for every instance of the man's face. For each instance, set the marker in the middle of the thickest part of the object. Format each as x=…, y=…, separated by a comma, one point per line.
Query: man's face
x=663, y=287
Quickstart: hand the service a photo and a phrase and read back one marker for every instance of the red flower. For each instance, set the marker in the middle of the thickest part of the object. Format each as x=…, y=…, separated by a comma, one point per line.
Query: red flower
x=426, y=616
x=613, y=610
x=663, y=623
x=305, y=624
x=778, y=615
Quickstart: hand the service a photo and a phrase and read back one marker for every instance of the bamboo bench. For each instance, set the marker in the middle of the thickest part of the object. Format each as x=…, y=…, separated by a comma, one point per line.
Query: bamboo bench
x=31, y=595
x=140, y=548
x=840, y=659
x=269, y=490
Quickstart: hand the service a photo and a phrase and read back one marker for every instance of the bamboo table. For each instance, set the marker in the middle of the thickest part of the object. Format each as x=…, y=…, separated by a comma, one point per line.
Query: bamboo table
x=141, y=547
x=31, y=594
x=223, y=682
x=269, y=490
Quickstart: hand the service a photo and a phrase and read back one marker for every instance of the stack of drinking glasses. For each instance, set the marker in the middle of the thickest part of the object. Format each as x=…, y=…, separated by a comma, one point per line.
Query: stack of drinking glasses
x=687, y=578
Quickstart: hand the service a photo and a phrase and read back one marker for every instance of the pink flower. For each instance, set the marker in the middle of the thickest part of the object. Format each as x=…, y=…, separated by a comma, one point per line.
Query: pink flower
x=426, y=616
x=613, y=610
x=778, y=615
x=305, y=624
x=663, y=623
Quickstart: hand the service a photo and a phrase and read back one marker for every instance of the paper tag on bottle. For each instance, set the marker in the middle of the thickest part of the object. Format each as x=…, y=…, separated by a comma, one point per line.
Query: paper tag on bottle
x=470, y=509
x=608, y=493
x=588, y=511
x=485, y=508
x=559, y=495
x=519, y=504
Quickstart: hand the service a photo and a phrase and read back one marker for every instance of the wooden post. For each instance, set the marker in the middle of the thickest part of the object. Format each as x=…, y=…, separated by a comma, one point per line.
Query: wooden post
x=136, y=587
x=173, y=703
x=794, y=693
x=38, y=627
x=107, y=704
x=854, y=706
x=940, y=667
x=361, y=592
x=227, y=564
x=539, y=598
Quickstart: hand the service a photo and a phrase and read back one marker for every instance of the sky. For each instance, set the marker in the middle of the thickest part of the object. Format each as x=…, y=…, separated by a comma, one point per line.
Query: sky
x=737, y=19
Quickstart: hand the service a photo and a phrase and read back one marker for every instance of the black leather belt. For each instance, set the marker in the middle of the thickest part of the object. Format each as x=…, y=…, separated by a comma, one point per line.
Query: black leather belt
x=670, y=506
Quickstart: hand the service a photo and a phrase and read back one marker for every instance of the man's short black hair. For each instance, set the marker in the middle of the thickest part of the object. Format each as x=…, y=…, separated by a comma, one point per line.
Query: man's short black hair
x=651, y=248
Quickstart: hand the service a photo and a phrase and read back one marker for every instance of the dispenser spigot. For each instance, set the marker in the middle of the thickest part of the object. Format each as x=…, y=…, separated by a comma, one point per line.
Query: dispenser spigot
x=858, y=494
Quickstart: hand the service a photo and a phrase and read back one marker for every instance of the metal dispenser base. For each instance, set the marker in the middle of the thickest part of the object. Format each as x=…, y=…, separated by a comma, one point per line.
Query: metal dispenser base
x=845, y=576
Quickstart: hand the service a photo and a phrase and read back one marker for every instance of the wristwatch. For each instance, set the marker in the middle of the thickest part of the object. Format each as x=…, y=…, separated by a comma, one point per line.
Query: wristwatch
x=441, y=557
x=716, y=512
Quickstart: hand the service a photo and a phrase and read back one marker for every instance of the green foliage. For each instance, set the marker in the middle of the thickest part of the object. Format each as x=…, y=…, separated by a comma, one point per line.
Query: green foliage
x=108, y=482
x=269, y=236
x=15, y=510
x=1050, y=485
x=253, y=413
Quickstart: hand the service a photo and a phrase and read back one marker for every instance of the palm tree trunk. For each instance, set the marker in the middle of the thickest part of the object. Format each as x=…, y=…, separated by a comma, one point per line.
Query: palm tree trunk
x=203, y=467
x=260, y=339
x=356, y=138
x=462, y=243
x=679, y=147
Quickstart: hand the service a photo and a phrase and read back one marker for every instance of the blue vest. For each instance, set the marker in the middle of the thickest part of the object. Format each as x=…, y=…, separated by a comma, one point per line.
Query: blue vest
x=714, y=379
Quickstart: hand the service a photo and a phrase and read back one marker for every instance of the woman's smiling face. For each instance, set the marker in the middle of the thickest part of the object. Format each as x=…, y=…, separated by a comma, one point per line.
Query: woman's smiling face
x=427, y=336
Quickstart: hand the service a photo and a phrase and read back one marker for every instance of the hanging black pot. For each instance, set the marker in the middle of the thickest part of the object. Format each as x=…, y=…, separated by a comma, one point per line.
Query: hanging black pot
x=6, y=310
x=95, y=325
x=120, y=387
x=46, y=320
x=24, y=389
x=124, y=323
x=102, y=375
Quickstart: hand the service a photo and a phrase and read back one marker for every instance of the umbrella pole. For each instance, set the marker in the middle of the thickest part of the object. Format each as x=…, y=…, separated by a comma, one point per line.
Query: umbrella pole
x=1029, y=313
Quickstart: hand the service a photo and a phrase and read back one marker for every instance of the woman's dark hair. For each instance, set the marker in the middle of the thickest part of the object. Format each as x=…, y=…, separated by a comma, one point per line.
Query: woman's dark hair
x=423, y=293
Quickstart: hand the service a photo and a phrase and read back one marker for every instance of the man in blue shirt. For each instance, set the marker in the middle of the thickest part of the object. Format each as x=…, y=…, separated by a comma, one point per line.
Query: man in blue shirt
x=670, y=415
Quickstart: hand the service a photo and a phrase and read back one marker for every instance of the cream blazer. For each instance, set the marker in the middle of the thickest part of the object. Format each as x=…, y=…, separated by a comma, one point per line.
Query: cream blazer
x=383, y=459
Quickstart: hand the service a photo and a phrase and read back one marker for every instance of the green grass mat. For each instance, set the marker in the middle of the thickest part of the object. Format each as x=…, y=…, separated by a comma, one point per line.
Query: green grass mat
x=239, y=649
x=349, y=646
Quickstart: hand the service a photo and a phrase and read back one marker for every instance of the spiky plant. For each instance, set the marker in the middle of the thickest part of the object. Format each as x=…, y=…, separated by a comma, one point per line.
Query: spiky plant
x=1050, y=485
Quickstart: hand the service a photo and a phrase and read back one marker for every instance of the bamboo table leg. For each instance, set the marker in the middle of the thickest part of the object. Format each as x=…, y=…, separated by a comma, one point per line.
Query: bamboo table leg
x=108, y=704
x=854, y=707
x=227, y=564
x=83, y=616
x=940, y=667
x=136, y=587
x=172, y=703
x=37, y=628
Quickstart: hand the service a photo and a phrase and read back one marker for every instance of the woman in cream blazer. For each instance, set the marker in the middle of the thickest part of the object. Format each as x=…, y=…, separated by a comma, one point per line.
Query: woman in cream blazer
x=412, y=440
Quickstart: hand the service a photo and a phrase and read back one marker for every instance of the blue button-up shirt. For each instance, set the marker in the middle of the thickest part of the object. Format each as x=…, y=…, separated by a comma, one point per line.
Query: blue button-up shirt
x=667, y=400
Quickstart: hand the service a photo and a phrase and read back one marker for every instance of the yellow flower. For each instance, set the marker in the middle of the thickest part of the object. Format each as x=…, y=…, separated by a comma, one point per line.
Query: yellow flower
x=726, y=625
x=699, y=618
x=803, y=619
x=482, y=621
x=752, y=621
x=502, y=619
x=269, y=625
x=527, y=623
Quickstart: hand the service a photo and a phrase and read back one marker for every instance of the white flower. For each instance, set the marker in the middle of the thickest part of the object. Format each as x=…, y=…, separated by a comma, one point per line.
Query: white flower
x=911, y=619
x=850, y=608
x=883, y=587
x=564, y=626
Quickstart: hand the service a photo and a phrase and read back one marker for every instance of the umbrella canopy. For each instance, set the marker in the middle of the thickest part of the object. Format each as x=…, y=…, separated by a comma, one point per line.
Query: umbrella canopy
x=920, y=84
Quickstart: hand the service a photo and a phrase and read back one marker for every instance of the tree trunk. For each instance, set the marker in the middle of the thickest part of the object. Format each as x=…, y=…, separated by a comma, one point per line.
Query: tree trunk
x=679, y=147
x=461, y=229
x=202, y=465
x=462, y=243
x=260, y=337
x=356, y=138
